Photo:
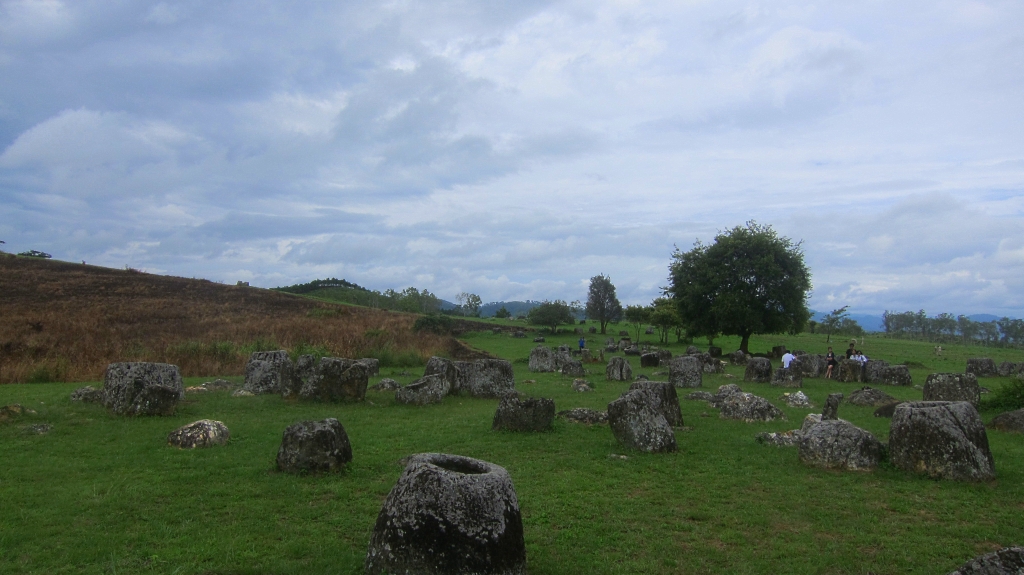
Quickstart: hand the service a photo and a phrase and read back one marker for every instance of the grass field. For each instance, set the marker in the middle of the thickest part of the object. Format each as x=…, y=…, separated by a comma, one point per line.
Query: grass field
x=102, y=494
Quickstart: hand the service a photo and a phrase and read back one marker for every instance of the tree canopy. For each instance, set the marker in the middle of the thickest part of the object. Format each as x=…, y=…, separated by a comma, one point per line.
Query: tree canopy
x=637, y=316
x=602, y=304
x=553, y=314
x=749, y=281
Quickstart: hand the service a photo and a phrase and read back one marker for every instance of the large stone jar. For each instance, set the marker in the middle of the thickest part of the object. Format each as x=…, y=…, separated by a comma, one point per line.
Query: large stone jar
x=449, y=514
x=944, y=439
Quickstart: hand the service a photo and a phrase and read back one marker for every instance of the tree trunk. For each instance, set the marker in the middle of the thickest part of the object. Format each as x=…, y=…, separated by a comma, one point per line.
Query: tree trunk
x=603, y=325
x=745, y=343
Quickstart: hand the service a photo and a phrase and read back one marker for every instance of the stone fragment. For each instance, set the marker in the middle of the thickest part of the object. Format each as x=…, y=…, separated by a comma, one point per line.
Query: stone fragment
x=572, y=368
x=738, y=358
x=446, y=370
x=649, y=360
x=831, y=409
x=896, y=375
x=314, y=447
x=87, y=394
x=749, y=408
x=218, y=385
x=838, y=444
x=584, y=415
x=869, y=397
x=723, y=392
x=386, y=384
x=618, y=369
x=638, y=423
x=13, y=410
x=372, y=366
x=784, y=377
x=424, y=391
x=759, y=370
x=303, y=372
x=448, y=514
x=517, y=413
x=581, y=385
x=1012, y=421
x=202, y=433
x=887, y=410
x=139, y=388
x=196, y=389
x=538, y=339
x=686, y=371
x=665, y=399
x=797, y=399
x=810, y=420
x=699, y=396
x=692, y=349
x=942, y=439
x=242, y=393
x=1009, y=368
x=952, y=387
x=486, y=378
x=981, y=367
x=778, y=439
x=1006, y=561
x=268, y=372
x=336, y=379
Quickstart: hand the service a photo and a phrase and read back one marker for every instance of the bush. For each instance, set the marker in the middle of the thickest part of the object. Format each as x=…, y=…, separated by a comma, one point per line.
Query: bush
x=434, y=323
x=35, y=254
x=1006, y=398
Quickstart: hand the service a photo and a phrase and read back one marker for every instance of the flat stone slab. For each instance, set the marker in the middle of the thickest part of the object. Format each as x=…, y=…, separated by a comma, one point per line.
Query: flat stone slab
x=202, y=433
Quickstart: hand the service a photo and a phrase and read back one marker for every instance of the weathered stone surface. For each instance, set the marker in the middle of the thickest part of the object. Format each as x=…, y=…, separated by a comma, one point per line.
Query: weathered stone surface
x=810, y=420
x=952, y=387
x=336, y=379
x=759, y=370
x=632, y=350
x=486, y=378
x=686, y=371
x=425, y=390
x=850, y=371
x=809, y=365
x=386, y=384
x=664, y=356
x=896, y=375
x=581, y=386
x=14, y=411
x=517, y=413
x=869, y=397
x=831, y=409
x=981, y=367
x=546, y=360
x=838, y=444
x=519, y=333
x=738, y=358
x=448, y=514
x=888, y=409
x=874, y=370
x=783, y=377
x=692, y=349
x=218, y=385
x=584, y=415
x=139, y=388
x=1012, y=421
x=87, y=394
x=372, y=365
x=196, y=389
x=649, y=360
x=573, y=368
x=665, y=399
x=303, y=370
x=314, y=447
x=942, y=439
x=699, y=396
x=797, y=399
x=268, y=372
x=618, y=369
x=446, y=370
x=202, y=433
x=779, y=439
x=749, y=408
x=638, y=423
x=723, y=392
x=1006, y=561
x=1009, y=368
x=242, y=393
x=715, y=351
x=710, y=364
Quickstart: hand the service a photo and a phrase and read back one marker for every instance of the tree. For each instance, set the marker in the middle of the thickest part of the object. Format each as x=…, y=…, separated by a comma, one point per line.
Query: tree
x=831, y=322
x=749, y=281
x=469, y=303
x=502, y=313
x=664, y=317
x=602, y=304
x=552, y=314
x=637, y=316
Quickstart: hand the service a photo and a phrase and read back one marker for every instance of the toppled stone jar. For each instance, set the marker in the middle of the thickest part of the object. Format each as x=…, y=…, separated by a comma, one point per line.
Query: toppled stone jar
x=449, y=514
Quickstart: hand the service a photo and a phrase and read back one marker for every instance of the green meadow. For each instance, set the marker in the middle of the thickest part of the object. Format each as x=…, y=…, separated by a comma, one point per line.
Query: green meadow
x=105, y=494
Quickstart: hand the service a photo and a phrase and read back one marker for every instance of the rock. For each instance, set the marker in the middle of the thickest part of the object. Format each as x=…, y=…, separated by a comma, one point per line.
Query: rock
x=581, y=385
x=759, y=370
x=486, y=378
x=372, y=366
x=1006, y=561
x=738, y=358
x=448, y=514
x=592, y=329
x=809, y=365
x=797, y=399
x=686, y=371
x=649, y=360
x=981, y=367
x=242, y=393
x=196, y=389
x=709, y=364
x=519, y=333
x=336, y=379
x=425, y=390
x=1009, y=368
x=896, y=375
x=386, y=384
x=874, y=370
x=778, y=439
x=564, y=349
x=810, y=420
x=516, y=413
x=1012, y=421
x=714, y=351
x=538, y=339
x=723, y=392
x=87, y=394
x=546, y=360
x=838, y=444
x=637, y=422
x=749, y=408
x=641, y=376
x=850, y=371
x=831, y=409
x=573, y=368
x=942, y=439
x=870, y=397
x=778, y=351
x=664, y=356
x=268, y=372
x=699, y=396
x=584, y=415
x=631, y=350
x=202, y=433
x=952, y=387
x=314, y=447
x=218, y=385
x=38, y=428
x=783, y=377
x=303, y=372
x=692, y=349
x=13, y=410
x=139, y=388
x=887, y=410
x=665, y=399
x=618, y=369
x=446, y=369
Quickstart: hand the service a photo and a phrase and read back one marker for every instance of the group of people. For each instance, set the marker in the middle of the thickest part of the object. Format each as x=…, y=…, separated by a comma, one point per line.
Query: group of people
x=830, y=359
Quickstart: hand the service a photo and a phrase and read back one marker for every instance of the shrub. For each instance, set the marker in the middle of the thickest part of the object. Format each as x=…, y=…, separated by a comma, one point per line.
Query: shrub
x=35, y=254
x=1008, y=397
x=434, y=323
x=303, y=348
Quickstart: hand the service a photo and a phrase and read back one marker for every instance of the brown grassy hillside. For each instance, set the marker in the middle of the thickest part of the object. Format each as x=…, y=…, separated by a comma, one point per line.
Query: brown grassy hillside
x=65, y=322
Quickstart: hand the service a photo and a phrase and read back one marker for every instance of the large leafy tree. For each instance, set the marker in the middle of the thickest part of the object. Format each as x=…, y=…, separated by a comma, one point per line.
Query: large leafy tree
x=602, y=304
x=749, y=281
x=664, y=316
x=553, y=314
x=637, y=316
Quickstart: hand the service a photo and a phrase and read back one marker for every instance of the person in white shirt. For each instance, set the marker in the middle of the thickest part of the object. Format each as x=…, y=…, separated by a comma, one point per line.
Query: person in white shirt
x=787, y=358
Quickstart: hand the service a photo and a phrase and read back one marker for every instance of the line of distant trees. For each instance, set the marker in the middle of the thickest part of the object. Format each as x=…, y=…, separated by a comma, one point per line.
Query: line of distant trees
x=409, y=299
x=947, y=328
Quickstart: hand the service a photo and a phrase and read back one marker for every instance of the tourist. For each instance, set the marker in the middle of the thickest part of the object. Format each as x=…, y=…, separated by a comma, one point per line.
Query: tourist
x=787, y=358
x=583, y=343
x=830, y=360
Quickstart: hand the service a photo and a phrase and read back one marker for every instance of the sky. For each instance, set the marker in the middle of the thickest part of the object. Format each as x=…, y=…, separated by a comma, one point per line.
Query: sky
x=516, y=149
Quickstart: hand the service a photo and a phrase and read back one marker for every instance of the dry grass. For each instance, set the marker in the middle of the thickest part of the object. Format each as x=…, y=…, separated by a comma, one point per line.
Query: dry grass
x=65, y=322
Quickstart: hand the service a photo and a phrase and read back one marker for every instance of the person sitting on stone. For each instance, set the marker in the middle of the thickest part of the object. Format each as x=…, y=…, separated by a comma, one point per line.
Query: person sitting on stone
x=859, y=357
x=830, y=360
x=787, y=358
x=850, y=351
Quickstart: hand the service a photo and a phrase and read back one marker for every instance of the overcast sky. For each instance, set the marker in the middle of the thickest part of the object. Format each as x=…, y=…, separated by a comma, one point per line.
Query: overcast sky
x=515, y=149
